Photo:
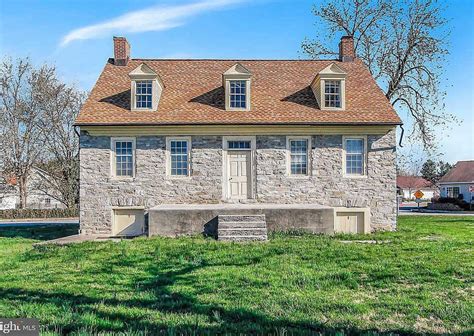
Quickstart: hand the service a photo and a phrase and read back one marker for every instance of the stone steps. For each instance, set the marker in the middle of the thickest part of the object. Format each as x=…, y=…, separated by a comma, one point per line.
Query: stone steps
x=241, y=228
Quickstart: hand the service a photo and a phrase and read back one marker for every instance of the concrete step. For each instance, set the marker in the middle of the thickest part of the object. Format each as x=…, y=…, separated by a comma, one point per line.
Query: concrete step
x=243, y=238
x=241, y=218
x=244, y=225
x=242, y=232
x=241, y=228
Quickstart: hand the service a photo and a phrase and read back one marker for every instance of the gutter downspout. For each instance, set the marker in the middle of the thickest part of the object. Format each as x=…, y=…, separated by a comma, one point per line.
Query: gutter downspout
x=78, y=182
x=401, y=136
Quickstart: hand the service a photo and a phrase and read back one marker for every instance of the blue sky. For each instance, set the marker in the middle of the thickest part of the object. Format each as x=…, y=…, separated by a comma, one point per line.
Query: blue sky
x=49, y=31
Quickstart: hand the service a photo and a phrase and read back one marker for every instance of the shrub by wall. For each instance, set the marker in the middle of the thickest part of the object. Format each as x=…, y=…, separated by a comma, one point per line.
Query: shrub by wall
x=38, y=213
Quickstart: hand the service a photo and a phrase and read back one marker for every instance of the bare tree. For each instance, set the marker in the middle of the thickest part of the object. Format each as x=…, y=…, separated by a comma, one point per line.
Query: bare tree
x=19, y=121
x=403, y=43
x=59, y=173
x=37, y=113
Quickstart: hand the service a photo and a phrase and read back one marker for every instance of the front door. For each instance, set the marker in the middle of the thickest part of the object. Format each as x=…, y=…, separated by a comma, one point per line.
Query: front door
x=239, y=174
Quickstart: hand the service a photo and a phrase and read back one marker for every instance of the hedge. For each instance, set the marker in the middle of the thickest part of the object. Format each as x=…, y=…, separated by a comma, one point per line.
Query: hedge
x=459, y=202
x=38, y=213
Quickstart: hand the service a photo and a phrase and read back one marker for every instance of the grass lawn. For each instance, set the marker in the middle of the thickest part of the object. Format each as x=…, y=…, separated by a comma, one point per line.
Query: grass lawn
x=415, y=281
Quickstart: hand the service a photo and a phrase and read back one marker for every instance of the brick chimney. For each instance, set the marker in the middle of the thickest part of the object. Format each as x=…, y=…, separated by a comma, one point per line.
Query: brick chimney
x=121, y=50
x=346, y=49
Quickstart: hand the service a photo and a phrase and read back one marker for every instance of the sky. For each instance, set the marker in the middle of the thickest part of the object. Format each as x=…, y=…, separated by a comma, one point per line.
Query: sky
x=76, y=36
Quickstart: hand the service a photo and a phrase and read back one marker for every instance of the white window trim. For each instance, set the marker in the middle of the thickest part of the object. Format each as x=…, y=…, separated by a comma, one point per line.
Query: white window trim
x=113, y=167
x=308, y=153
x=247, y=94
x=168, y=157
x=225, y=173
x=156, y=89
x=452, y=191
x=364, y=160
x=342, y=87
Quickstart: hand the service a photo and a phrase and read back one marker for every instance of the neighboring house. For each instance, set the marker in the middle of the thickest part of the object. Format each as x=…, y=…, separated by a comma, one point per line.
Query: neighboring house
x=308, y=143
x=457, y=181
x=408, y=185
x=36, y=199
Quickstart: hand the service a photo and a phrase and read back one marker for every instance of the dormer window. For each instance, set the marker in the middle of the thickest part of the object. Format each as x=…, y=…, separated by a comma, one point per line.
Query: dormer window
x=332, y=93
x=238, y=94
x=146, y=88
x=329, y=88
x=236, y=82
x=143, y=94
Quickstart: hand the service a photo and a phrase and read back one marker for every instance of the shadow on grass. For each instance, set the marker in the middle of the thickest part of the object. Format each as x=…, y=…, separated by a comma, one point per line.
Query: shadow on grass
x=219, y=320
x=39, y=232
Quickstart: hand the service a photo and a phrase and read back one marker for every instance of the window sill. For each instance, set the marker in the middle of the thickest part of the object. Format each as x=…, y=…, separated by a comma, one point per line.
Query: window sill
x=172, y=177
x=332, y=109
x=122, y=178
x=355, y=176
x=299, y=177
x=237, y=109
x=142, y=110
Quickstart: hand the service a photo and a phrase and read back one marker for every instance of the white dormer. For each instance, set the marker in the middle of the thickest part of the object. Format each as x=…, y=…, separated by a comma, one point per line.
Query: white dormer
x=146, y=88
x=329, y=88
x=236, y=82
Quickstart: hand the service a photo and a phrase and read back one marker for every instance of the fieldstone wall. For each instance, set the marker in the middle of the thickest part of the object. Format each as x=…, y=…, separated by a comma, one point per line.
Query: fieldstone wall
x=326, y=184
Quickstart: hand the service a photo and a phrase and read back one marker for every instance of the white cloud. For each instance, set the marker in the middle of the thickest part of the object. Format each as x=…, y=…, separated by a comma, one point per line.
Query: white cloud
x=155, y=18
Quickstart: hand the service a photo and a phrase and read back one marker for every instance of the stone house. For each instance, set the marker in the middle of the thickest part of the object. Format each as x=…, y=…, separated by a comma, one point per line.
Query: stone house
x=174, y=146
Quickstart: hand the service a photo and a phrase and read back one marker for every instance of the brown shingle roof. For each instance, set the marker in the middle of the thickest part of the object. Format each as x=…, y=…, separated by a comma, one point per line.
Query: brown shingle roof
x=193, y=94
x=463, y=171
x=413, y=182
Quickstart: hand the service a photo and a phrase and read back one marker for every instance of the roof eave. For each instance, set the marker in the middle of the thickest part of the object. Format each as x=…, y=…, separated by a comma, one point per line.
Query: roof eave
x=242, y=124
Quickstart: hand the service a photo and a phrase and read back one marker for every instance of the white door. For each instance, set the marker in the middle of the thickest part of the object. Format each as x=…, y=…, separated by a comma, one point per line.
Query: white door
x=239, y=174
x=349, y=222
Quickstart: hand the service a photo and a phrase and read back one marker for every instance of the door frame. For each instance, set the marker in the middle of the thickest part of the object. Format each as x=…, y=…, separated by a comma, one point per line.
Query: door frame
x=225, y=161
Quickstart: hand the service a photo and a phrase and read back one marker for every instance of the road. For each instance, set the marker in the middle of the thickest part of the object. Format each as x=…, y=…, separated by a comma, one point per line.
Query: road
x=39, y=222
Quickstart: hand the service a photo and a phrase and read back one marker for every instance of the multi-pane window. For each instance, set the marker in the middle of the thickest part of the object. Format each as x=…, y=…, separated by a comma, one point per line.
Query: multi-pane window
x=332, y=93
x=123, y=158
x=299, y=157
x=238, y=94
x=355, y=156
x=238, y=144
x=179, y=157
x=143, y=94
x=452, y=192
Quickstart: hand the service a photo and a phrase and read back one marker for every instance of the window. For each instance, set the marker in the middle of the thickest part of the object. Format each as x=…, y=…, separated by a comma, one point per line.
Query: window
x=298, y=156
x=452, y=192
x=179, y=150
x=332, y=93
x=47, y=201
x=238, y=145
x=238, y=94
x=355, y=156
x=124, y=159
x=143, y=94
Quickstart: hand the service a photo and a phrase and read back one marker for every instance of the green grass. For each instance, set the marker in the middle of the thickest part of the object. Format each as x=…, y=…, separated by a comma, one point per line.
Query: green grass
x=418, y=280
